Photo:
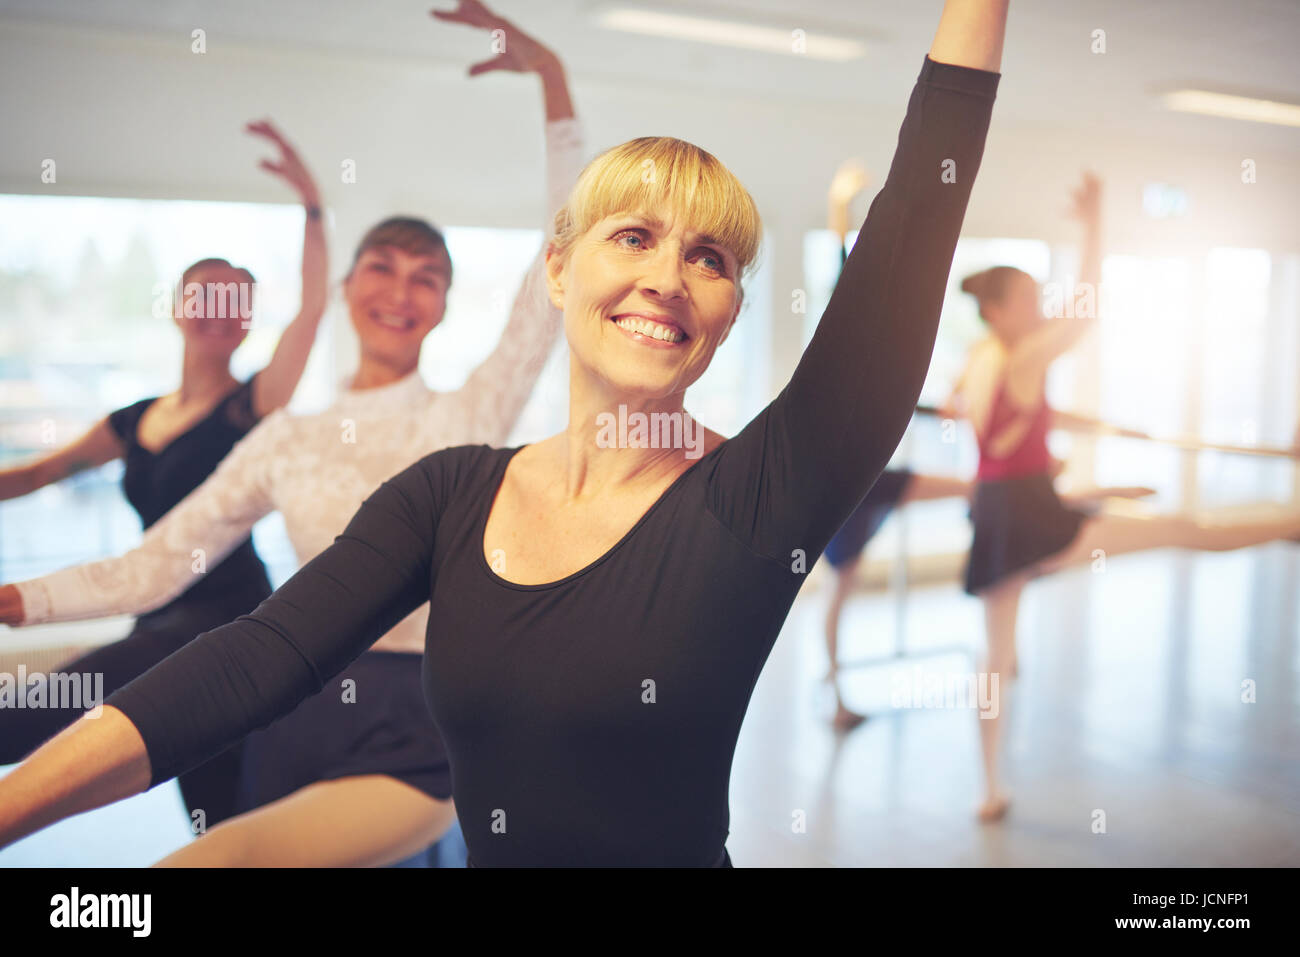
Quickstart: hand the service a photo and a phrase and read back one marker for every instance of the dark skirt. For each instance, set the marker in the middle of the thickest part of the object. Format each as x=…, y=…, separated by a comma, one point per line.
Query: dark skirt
x=380, y=726
x=1018, y=522
x=860, y=527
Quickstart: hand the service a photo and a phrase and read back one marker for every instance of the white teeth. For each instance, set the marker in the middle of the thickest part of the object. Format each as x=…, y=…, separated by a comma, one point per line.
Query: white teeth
x=651, y=330
x=394, y=322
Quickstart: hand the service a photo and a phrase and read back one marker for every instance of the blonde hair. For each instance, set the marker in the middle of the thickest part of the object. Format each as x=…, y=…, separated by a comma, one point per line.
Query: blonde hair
x=650, y=171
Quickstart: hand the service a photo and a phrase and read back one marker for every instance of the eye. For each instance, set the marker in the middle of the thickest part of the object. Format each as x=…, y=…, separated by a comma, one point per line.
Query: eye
x=378, y=265
x=624, y=238
x=711, y=260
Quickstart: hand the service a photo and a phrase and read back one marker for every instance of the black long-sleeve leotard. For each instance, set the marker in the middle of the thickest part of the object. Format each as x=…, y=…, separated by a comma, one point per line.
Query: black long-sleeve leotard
x=593, y=720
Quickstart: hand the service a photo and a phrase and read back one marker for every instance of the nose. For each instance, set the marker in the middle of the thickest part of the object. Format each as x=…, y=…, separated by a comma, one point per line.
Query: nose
x=663, y=275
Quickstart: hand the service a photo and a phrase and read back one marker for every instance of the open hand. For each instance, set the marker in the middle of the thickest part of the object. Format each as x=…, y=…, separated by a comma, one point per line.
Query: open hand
x=516, y=51
x=289, y=167
x=1085, y=200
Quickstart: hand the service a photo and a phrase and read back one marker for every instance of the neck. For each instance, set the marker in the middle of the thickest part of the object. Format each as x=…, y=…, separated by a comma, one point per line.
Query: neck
x=610, y=441
x=204, y=375
x=375, y=372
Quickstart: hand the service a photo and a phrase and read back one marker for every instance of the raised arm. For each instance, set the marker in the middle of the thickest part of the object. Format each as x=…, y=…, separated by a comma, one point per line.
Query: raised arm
x=1059, y=334
x=175, y=552
x=275, y=384
x=497, y=390
x=791, y=476
x=99, y=445
x=244, y=675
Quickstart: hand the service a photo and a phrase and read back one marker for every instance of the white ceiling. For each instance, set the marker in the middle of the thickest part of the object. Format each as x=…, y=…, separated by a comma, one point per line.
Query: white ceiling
x=1051, y=80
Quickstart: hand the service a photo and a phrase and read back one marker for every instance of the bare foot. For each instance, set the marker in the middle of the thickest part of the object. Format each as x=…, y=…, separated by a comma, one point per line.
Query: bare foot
x=846, y=720
x=993, y=809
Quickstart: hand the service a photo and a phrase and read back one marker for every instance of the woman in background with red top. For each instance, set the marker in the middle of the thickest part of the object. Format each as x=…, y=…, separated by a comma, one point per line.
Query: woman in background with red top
x=1023, y=529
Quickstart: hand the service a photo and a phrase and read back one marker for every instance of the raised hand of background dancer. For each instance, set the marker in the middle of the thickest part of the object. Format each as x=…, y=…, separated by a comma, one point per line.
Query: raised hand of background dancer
x=275, y=385
x=1085, y=200
x=849, y=180
x=1085, y=206
x=516, y=52
x=288, y=167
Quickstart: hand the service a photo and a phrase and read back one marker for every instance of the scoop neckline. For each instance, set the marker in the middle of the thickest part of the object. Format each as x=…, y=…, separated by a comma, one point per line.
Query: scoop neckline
x=486, y=512
x=135, y=431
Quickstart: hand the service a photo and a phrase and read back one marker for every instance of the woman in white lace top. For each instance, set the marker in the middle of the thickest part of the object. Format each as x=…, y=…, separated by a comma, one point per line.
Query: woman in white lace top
x=367, y=740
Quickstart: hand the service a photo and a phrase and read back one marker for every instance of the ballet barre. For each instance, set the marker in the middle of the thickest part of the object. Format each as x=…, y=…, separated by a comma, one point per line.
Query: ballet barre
x=1187, y=443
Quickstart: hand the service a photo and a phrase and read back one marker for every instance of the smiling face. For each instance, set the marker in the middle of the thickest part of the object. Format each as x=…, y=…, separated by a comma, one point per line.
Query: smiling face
x=395, y=298
x=646, y=263
x=213, y=307
x=647, y=300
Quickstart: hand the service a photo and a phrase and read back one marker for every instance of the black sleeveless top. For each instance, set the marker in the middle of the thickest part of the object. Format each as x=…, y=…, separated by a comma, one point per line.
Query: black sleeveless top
x=155, y=482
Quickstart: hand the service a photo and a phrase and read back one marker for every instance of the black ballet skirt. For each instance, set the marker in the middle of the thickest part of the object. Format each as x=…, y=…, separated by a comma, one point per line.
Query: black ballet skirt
x=1019, y=522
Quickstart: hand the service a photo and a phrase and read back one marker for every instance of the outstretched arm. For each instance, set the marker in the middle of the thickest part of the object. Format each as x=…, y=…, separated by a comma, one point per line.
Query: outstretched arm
x=90, y=763
x=497, y=390
x=242, y=676
x=274, y=385
x=97, y=446
x=176, y=551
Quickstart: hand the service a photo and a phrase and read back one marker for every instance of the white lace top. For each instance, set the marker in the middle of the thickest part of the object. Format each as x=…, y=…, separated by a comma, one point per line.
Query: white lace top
x=317, y=469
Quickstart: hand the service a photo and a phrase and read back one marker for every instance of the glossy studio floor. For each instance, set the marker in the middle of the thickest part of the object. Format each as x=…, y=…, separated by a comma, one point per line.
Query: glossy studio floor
x=1129, y=742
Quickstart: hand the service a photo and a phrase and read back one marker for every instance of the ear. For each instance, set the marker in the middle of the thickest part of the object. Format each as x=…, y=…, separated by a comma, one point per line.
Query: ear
x=555, y=263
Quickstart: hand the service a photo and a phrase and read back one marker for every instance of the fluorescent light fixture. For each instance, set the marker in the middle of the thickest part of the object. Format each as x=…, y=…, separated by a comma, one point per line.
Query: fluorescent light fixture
x=1233, y=107
x=731, y=33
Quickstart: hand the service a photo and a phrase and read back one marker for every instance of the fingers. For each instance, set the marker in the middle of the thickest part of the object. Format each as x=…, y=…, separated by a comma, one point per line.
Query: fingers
x=470, y=12
x=487, y=66
x=266, y=129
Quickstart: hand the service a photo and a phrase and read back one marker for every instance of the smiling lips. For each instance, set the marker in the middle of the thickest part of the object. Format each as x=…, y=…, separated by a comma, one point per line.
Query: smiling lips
x=646, y=329
x=390, y=321
x=216, y=328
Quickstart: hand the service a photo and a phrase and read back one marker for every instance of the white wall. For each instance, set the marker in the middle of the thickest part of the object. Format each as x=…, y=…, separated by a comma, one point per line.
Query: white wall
x=130, y=114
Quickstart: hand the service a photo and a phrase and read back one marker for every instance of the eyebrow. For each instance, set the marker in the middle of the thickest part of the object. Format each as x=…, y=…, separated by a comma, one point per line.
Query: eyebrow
x=435, y=267
x=654, y=222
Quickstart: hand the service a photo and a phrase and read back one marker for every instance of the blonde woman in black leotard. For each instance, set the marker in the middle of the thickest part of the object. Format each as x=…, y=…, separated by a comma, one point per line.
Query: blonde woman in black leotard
x=600, y=608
